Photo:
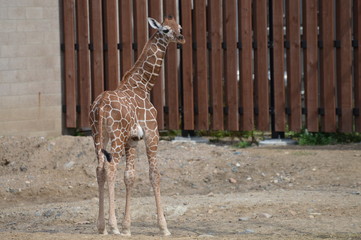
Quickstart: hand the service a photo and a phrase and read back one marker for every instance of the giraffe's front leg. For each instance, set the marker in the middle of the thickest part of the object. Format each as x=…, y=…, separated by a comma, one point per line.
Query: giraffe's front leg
x=152, y=139
x=129, y=177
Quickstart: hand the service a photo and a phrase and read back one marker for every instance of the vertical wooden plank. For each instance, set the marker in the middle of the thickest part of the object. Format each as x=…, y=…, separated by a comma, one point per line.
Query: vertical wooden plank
x=157, y=95
x=187, y=65
x=327, y=75
x=201, y=79
x=125, y=36
x=230, y=61
x=344, y=64
x=140, y=26
x=357, y=61
x=83, y=63
x=111, y=42
x=278, y=59
x=96, y=40
x=245, y=64
x=215, y=68
x=69, y=63
x=171, y=74
x=260, y=65
x=310, y=63
x=293, y=64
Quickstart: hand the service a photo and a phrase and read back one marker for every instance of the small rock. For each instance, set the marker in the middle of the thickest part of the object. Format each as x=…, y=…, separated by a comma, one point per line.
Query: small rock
x=237, y=153
x=249, y=179
x=266, y=215
x=82, y=223
x=232, y=180
x=205, y=236
x=12, y=190
x=238, y=164
x=247, y=231
x=211, y=194
x=207, y=179
x=23, y=168
x=69, y=165
x=293, y=213
x=243, y=219
x=27, y=182
x=50, y=146
x=48, y=213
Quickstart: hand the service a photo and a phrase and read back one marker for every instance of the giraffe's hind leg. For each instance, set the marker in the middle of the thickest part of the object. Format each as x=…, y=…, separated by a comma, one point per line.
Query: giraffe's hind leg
x=116, y=153
x=129, y=177
x=101, y=179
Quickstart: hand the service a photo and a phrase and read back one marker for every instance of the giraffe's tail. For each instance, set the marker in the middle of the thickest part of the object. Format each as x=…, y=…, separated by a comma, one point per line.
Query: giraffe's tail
x=107, y=155
x=100, y=132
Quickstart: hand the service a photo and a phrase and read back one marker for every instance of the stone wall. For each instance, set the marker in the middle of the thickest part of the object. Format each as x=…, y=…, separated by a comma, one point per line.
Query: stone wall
x=30, y=68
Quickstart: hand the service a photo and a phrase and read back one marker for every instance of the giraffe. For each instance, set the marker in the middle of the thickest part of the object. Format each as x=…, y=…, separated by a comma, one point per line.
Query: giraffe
x=125, y=116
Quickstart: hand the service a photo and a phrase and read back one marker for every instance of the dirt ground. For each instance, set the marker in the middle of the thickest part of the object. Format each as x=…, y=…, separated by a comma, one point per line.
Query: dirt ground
x=48, y=190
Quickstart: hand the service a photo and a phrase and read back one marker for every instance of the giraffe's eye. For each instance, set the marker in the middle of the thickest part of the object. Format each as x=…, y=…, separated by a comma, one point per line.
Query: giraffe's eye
x=166, y=30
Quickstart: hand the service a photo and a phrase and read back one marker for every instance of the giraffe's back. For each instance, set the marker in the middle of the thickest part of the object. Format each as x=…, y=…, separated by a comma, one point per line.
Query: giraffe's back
x=118, y=114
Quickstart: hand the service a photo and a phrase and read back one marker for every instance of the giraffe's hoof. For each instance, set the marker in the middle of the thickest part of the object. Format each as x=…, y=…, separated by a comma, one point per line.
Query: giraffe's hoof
x=125, y=233
x=103, y=232
x=165, y=232
x=115, y=231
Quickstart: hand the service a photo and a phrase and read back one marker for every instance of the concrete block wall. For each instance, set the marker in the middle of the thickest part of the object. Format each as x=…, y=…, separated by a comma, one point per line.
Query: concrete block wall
x=30, y=68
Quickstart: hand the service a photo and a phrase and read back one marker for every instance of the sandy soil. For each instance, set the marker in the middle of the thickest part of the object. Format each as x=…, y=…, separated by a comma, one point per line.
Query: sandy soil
x=48, y=190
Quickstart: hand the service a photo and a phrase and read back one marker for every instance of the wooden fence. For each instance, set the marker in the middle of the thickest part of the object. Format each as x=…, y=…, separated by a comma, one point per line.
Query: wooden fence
x=247, y=64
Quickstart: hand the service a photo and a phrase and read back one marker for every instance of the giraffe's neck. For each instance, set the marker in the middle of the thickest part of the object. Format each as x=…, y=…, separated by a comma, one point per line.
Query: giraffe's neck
x=142, y=76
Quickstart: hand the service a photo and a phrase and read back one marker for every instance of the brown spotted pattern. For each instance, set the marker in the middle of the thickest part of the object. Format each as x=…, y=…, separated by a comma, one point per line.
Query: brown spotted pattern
x=123, y=117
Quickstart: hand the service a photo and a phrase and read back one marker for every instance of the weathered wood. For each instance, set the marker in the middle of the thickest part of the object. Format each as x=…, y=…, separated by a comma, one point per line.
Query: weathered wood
x=278, y=59
x=230, y=62
x=311, y=64
x=261, y=65
x=155, y=11
x=187, y=66
x=245, y=65
x=357, y=62
x=125, y=36
x=293, y=64
x=171, y=75
x=215, y=63
x=111, y=41
x=201, y=79
x=96, y=41
x=327, y=67
x=140, y=25
x=344, y=65
x=69, y=63
x=83, y=63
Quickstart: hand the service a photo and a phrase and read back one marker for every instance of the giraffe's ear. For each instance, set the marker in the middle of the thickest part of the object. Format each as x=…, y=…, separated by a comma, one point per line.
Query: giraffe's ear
x=154, y=23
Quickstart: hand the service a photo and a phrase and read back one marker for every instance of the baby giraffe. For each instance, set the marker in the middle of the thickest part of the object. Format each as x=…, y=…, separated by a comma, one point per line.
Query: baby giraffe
x=125, y=116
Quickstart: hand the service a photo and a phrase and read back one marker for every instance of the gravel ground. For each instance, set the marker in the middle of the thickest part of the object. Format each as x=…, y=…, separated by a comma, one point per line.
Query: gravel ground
x=48, y=190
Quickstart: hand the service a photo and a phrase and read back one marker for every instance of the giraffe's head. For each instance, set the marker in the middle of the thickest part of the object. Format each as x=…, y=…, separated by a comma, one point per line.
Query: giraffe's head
x=169, y=28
